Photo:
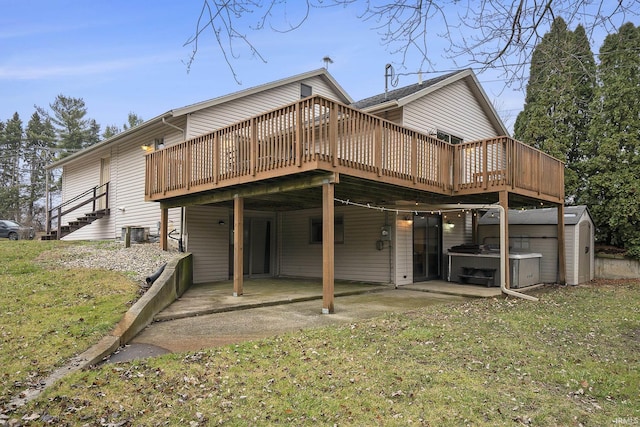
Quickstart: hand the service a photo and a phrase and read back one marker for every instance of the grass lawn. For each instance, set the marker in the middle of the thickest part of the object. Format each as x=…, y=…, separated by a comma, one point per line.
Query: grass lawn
x=49, y=314
x=570, y=359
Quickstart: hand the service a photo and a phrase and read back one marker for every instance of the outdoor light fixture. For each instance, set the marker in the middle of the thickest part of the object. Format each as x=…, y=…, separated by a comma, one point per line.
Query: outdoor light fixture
x=146, y=148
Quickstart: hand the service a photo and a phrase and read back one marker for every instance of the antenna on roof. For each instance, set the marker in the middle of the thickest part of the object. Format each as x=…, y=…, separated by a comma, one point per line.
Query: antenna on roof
x=389, y=78
x=327, y=60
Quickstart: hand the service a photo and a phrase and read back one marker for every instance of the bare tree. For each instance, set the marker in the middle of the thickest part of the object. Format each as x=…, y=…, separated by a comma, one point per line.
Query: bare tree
x=480, y=33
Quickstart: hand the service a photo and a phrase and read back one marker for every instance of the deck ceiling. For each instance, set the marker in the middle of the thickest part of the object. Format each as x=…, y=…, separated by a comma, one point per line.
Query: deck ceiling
x=285, y=194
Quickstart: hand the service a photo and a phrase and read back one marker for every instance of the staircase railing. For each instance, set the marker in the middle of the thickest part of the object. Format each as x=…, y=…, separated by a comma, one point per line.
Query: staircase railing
x=90, y=196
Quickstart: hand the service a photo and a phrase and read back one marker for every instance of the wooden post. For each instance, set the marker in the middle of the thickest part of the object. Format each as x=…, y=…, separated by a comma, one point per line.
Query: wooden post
x=378, y=146
x=562, y=259
x=238, y=245
x=127, y=237
x=333, y=135
x=298, y=133
x=414, y=158
x=327, y=247
x=164, y=221
x=504, y=201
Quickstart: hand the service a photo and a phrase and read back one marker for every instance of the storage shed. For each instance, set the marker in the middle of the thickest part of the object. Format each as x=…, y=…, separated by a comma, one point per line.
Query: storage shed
x=536, y=230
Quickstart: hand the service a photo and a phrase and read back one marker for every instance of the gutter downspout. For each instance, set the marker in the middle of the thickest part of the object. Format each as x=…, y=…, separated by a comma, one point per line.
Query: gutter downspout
x=184, y=131
x=184, y=138
x=503, y=250
x=504, y=261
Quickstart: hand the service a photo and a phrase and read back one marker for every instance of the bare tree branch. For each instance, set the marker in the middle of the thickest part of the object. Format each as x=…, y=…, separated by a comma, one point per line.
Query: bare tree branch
x=480, y=33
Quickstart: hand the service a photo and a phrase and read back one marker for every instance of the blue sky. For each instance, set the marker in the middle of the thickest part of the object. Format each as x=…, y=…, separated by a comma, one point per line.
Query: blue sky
x=127, y=56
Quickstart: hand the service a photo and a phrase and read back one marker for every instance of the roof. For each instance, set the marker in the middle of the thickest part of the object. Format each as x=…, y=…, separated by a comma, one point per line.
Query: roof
x=321, y=72
x=399, y=97
x=544, y=216
x=178, y=112
x=401, y=93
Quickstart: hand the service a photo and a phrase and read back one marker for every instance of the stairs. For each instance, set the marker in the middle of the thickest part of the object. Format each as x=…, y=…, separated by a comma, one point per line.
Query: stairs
x=76, y=225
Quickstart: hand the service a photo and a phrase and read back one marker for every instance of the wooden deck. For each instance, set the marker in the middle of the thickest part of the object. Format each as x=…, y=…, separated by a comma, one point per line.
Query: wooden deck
x=317, y=134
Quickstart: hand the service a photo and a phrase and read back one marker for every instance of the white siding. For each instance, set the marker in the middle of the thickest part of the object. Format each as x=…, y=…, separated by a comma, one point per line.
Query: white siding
x=78, y=178
x=452, y=109
x=356, y=259
x=218, y=116
x=208, y=241
x=126, y=189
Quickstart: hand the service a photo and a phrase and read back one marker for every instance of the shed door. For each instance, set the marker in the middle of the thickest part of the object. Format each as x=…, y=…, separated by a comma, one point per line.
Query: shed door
x=584, y=252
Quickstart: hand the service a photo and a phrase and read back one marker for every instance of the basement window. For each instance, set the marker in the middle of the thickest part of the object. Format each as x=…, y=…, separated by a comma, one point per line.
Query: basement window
x=315, y=230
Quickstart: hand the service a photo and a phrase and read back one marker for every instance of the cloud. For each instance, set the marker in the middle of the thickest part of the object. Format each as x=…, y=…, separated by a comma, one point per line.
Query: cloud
x=43, y=71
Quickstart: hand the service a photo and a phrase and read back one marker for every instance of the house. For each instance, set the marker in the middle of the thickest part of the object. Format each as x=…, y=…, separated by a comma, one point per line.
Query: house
x=103, y=185
x=535, y=230
x=318, y=186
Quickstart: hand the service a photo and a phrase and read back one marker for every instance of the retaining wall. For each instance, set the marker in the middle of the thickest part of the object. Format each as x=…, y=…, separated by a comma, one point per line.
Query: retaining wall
x=616, y=267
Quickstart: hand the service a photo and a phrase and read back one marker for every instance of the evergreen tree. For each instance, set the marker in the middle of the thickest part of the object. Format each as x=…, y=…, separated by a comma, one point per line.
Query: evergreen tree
x=613, y=148
x=555, y=117
x=10, y=173
x=37, y=154
x=110, y=131
x=133, y=120
x=74, y=130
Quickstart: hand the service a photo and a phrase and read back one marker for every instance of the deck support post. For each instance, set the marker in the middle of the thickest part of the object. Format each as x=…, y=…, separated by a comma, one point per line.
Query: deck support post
x=238, y=245
x=328, y=240
x=164, y=222
x=504, y=202
x=562, y=261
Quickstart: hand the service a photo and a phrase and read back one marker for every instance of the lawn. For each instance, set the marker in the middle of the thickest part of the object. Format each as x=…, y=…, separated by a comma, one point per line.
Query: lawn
x=569, y=359
x=49, y=314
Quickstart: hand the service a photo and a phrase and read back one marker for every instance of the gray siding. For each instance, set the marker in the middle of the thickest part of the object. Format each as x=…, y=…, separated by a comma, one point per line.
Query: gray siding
x=526, y=238
x=452, y=109
x=218, y=116
x=208, y=241
x=355, y=259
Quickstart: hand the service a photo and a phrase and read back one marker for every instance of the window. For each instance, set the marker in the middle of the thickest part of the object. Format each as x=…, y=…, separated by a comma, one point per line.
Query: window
x=315, y=232
x=519, y=242
x=305, y=90
x=448, y=137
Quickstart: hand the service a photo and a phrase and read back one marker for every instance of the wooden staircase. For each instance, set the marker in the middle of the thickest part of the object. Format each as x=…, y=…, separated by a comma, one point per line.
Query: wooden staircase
x=91, y=196
x=72, y=226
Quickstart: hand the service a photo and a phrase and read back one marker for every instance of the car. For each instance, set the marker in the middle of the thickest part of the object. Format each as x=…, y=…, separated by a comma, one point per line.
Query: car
x=14, y=231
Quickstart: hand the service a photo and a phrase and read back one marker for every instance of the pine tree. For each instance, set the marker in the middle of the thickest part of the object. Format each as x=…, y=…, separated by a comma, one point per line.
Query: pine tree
x=555, y=117
x=10, y=156
x=74, y=130
x=37, y=154
x=613, y=147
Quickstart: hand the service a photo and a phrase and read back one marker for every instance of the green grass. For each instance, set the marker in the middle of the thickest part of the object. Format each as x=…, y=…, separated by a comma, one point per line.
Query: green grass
x=49, y=314
x=570, y=359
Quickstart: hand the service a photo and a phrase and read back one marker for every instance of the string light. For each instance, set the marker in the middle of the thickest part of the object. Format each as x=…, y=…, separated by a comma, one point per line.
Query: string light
x=398, y=211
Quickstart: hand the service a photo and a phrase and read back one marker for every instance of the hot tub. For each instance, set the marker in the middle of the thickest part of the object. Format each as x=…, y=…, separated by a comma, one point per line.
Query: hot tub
x=524, y=268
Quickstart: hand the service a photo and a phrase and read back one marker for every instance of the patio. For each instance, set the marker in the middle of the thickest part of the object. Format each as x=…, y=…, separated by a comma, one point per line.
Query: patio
x=217, y=297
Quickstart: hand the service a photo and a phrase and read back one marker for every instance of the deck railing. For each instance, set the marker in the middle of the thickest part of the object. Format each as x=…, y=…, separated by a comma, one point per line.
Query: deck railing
x=317, y=133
